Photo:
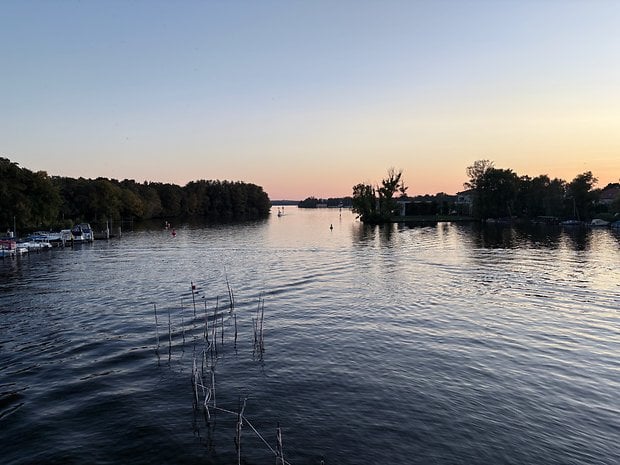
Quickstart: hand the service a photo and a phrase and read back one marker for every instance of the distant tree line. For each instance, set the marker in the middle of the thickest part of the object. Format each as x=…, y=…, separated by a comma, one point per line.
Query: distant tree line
x=35, y=200
x=492, y=193
x=501, y=193
x=313, y=202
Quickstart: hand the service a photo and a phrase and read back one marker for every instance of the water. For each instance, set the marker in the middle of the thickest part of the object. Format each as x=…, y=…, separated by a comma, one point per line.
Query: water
x=443, y=344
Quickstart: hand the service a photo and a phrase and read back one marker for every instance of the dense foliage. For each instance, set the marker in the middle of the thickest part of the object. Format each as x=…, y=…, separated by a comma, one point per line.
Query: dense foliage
x=492, y=193
x=501, y=193
x=377, y=204
x=38, y=201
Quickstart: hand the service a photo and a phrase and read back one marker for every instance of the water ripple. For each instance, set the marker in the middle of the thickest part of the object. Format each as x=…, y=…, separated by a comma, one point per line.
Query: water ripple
x=438, y=344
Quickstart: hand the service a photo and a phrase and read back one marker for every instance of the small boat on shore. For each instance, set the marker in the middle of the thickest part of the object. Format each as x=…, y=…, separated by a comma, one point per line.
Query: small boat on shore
x=599, y=223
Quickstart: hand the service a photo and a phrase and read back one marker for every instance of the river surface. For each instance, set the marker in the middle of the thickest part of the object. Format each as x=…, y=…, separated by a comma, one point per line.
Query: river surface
x=438, y=344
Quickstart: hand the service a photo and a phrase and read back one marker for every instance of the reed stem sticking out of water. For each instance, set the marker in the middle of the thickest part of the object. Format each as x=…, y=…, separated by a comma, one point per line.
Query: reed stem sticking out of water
x=238, y=437
x=262, y=319
x=214, y=326
x=193, y=296
x=169, y=334
x=195, y=379
x=257, y=323
x=213, y=385
x=206, y=336
x=182, y=326
x=156, y=325
x=222, y=329
x=231, y=296
x=279, y=449
x=235, y=317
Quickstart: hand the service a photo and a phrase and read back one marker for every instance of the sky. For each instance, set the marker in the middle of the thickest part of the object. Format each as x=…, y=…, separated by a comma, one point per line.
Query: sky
x=308, y=98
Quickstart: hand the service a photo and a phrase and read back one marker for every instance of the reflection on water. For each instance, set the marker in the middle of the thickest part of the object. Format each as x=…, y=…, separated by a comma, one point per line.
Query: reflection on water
x=440, y=343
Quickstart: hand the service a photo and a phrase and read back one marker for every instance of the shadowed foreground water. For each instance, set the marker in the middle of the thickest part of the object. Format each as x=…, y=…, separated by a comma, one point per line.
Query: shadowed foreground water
x=443, y=344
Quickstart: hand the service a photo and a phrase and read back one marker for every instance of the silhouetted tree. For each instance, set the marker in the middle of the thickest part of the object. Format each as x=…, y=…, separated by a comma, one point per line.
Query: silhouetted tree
x=376, y=205
x=581, y=196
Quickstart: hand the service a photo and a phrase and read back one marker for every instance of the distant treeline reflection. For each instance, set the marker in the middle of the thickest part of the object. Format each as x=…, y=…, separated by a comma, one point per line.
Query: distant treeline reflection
x=33, y=200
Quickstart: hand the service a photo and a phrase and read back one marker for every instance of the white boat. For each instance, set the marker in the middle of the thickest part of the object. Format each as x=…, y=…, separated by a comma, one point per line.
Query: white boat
x=54, y=238
x=35, y=245
x=571, y=223
x=82, y=233
x=597, y=223
x=8, y=248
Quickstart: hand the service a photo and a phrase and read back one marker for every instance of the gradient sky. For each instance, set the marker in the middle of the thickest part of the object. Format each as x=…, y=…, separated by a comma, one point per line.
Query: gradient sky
x=310, y=97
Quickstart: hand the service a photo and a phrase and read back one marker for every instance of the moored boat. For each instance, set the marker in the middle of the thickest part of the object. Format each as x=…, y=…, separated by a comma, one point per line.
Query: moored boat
x=572, y=223
x=52, y=237
x=8, y=248
x=34, y=245
x=82, y=233
x=598, y=223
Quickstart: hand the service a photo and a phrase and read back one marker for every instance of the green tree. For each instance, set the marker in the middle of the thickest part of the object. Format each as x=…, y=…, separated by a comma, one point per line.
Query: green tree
x=540, y=196
x=495, y=190
x=364, y=202
x=476, y=172
x=171, y=197
x=36, y=200
x=29, y=199
x=581, y=196
x=45, y=200
x=377, y=205
x=389, y=186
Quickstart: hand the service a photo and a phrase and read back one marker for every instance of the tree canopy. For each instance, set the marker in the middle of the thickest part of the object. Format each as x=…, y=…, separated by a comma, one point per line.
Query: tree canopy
x=502, y=193
x=37, y=201
x=377, y=204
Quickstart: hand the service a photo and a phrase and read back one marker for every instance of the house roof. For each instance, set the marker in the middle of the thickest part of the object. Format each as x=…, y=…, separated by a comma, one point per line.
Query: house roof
x=610, y=193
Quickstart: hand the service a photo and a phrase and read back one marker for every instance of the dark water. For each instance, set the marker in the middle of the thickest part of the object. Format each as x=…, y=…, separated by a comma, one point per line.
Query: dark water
x=445, y=344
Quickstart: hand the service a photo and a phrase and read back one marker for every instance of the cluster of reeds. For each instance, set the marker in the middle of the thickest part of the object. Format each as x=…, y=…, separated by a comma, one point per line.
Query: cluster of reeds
x=209, y=346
